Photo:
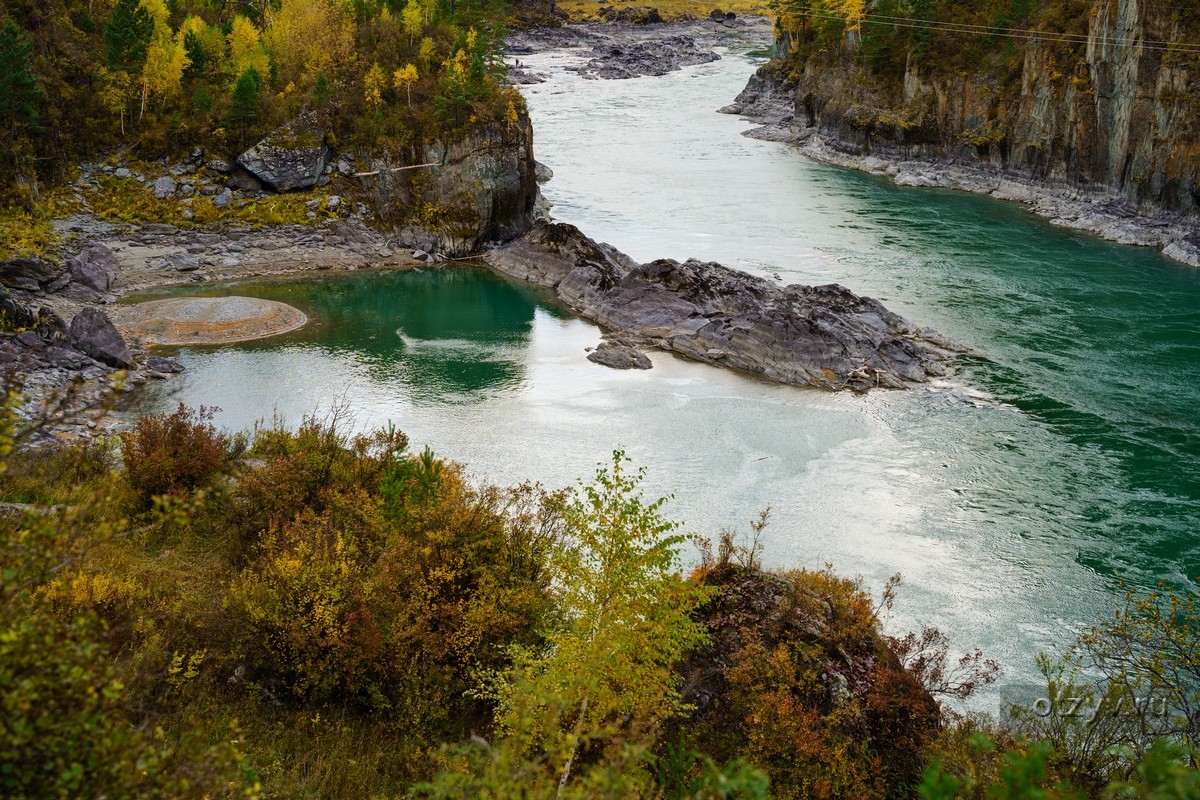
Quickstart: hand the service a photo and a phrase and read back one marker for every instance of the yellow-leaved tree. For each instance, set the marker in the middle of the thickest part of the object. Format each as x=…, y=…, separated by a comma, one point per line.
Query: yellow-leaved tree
x=374, y=82
x=246, y=49
x=413, y=18
x=166, y=58
x=404, y=78
x=427, y=53
x=310, y=38
x=606, y=680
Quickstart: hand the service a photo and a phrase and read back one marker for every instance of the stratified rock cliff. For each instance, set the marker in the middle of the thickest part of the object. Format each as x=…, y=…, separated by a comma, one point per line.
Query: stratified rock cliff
x=1086, y=100
x=479, y=189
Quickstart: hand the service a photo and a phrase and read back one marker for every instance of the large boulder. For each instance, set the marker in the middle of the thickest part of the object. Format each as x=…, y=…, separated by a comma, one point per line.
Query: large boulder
x=95, y=268
x=29, y=274
x=92, y=332
x=292, y=157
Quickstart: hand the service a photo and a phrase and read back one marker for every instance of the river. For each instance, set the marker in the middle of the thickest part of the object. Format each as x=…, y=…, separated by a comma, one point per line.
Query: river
x=1013, y=497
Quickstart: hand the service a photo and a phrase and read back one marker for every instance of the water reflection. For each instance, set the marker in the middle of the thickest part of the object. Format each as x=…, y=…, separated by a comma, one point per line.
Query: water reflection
x=437, y=335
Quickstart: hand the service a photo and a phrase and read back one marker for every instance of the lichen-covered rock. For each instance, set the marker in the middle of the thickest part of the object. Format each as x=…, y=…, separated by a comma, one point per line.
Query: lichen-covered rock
x=92, y=332
x=292, y=157
x=822, y=336
x=165, y=187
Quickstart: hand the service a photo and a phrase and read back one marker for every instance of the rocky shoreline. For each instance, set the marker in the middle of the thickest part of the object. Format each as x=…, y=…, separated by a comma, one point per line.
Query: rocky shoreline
x=1091, y=209
x=80, y=373
x=824, y=337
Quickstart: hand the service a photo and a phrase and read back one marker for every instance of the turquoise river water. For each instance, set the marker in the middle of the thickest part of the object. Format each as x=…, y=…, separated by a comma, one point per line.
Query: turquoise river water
x=1013, y=497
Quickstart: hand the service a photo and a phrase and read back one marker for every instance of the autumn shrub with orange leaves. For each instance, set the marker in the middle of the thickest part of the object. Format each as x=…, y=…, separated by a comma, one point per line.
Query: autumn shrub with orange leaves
x=798, y=678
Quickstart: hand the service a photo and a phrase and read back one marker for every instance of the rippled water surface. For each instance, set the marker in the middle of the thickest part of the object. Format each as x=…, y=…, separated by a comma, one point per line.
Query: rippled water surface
x=1011, y=497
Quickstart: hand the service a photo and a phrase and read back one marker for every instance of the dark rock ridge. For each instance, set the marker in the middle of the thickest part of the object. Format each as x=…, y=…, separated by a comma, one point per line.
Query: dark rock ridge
x=625, y=47
x=631, y=15
x=823, y=336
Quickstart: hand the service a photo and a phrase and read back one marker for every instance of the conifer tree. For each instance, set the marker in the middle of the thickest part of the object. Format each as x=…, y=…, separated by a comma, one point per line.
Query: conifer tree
x=127, y=36
x=244, y=108
x=322, y=91
x=19, y=92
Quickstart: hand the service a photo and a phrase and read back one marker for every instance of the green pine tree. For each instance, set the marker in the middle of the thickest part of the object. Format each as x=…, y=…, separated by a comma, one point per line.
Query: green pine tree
x=322, y=91
x=197, y=58
x=19, y=92
x=127, y=36
x=244, y=108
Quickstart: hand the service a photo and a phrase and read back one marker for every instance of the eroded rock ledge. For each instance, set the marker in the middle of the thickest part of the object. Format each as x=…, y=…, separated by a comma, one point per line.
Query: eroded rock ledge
x=822, y=336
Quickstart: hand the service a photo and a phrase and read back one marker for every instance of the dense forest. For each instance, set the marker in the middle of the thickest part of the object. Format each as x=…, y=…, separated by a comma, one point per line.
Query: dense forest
x=84, y=79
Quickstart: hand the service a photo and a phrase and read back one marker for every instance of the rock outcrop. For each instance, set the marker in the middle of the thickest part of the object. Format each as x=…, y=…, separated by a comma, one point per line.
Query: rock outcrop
x=478, y=190
x=29, y=274
x=824, y=336
x=653, y=57
x=292, y=157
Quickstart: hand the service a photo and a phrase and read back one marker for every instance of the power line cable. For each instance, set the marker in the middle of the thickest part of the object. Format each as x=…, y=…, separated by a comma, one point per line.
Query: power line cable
x=1000, y=32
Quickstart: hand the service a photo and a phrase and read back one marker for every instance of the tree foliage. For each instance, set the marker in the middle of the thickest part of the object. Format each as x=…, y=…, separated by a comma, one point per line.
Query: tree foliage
x=19, y=90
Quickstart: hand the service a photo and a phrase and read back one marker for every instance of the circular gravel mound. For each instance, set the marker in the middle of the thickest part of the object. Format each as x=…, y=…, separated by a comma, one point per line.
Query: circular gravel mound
x=207, y=320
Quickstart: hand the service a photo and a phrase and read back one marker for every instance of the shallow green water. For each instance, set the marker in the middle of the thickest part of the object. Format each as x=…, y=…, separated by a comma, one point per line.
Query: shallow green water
x=1012, y=496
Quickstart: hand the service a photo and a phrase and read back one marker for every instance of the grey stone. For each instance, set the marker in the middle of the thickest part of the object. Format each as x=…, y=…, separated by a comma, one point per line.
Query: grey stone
x=123, y=172
x=58, y=284
x=93, y=333
x=95, y=267
x=619, y=355
x=31, y=340
x=219, y=165
x=67, y=357
x=224, y=199
x=292, y=157
x=167, y=365
x=184, y=262
x=542, y=172
x=333, y=203
x=165, y=187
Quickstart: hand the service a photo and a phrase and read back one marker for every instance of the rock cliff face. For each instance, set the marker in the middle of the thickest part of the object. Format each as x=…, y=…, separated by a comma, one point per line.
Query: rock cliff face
x=1096, y=110
x=451, y=197
x=477, y=190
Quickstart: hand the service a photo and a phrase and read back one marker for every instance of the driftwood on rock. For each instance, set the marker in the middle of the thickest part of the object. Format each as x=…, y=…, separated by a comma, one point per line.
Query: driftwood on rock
x=822, y=336
x=395, y=169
